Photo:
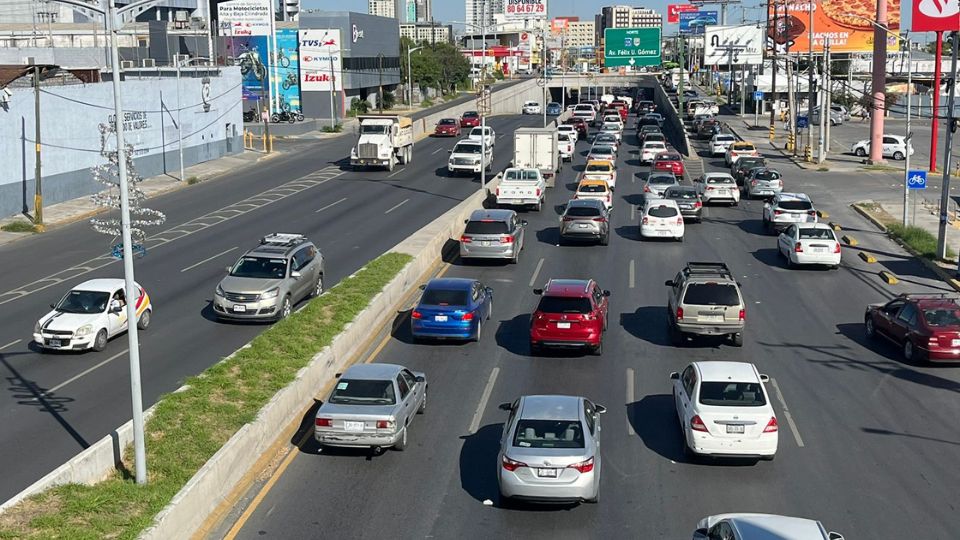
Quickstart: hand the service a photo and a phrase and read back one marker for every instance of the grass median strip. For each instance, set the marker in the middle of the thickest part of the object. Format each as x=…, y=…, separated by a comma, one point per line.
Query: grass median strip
x=188, y=427
x=918, y=239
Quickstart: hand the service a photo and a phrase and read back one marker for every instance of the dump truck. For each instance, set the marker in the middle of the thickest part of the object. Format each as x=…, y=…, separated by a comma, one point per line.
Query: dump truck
x=537, y=148
x=385, y=140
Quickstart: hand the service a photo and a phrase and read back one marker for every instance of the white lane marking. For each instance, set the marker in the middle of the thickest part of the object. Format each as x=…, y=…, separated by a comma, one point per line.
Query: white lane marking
x=12, y=343
x=81, y=374
x=633, y=212
x=630, y=399
x=786, y=413
x=394, y=173
x=633, y=271
x=403, y=202
x=536, y=272
x=208, y=259
x=436, y=151
x=487, y=390
x=331, y=205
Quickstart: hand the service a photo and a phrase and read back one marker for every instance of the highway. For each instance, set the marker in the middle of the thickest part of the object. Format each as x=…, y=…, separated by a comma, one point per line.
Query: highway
x=867, y=442
x=55, y=405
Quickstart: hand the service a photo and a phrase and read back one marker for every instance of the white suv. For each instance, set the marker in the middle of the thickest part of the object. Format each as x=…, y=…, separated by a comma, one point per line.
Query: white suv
x=786, y=209
x=532, y=107
x=894, y=146
x=714, y=186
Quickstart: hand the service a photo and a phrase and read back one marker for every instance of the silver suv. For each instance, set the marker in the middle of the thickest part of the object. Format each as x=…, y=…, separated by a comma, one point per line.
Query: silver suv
x=704, y=299
x=267, y=281
x=493, y=234
x=585, y=219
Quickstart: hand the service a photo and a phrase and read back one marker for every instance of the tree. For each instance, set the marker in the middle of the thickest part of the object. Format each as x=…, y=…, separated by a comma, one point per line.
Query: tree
x=439, y=65
x=947, y=45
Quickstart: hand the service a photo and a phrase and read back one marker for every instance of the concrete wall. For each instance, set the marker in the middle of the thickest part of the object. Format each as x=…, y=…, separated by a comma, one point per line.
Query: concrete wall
x=69, y=119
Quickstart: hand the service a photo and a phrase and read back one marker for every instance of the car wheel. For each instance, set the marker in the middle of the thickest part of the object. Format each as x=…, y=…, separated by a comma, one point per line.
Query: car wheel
x=318, y=286
x=598, y=350
x=605, y=239
x=423, y=404
x=910, y=352
x=100, y=342
x=144, y=321
x=679, y=239
x=860, y=152
x=476, y=337
x=675, y=335
x=402, y=443
x=535, y=349
x=898, y=155
x=737, y=339
x=285, y=308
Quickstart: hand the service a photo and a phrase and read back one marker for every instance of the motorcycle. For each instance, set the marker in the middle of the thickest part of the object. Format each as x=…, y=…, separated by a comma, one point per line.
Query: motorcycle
x=282, y=59
x=250, y=115
x=285, y=114
x=249, y=61
x=290, y=80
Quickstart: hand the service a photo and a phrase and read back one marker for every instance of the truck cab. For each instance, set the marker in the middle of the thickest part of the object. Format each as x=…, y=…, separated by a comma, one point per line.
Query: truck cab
x=385, y=141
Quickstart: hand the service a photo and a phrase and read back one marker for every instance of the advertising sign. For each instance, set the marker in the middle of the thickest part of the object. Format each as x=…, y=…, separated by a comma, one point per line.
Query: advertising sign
x=736, y=45
x=848, y=26
x=674, y=11
x=559, y=25
x=319, y=52
x=251, y=55
x=285, y=75
x=631, y=47
x=238, y=18
x=935, y=15
x=693, y=22
x=525, y=9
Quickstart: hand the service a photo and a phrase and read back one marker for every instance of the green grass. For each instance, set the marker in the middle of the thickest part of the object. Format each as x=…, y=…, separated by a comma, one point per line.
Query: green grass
x=918, y=239
x=19, y=226
x=188, y=427
x=192, y=180
x=879, y=168
x=823, y=169
x=336, y=128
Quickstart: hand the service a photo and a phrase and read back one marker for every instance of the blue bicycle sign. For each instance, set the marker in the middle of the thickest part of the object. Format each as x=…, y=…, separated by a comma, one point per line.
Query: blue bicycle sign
x=917, y=179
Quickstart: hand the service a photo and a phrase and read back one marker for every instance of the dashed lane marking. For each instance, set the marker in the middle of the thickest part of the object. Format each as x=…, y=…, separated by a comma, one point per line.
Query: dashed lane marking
x=487, y=390
x=786, y=413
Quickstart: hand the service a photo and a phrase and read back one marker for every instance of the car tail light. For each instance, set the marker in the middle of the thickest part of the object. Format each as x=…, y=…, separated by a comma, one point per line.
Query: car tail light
x=798, y=248
x=510, y=464
x=811, y=212
x=385, y=424
x=646, y=189
x=600, y=219
x=743, y=314
x=583, y=466
x=498, y=192
x=679, y=313
x=697, y=424
x=836, y=247
x=538, y=189
x=467, y=317
x=780, y=183
x=772, y=426
x=933, y=341
x=646, y=220
x=753, y=182
x=416, y=315
x=465, y=240
x=508, y=239
x=680, y=220
x=777, y=212
x=698, y=204
x=324, y=422
x=609, y=197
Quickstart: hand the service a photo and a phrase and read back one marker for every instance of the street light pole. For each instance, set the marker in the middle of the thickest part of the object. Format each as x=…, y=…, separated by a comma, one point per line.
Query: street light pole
x=410, y=75
x=908, y=135
x=810, y=78
x=948, y=153
x=483, y=102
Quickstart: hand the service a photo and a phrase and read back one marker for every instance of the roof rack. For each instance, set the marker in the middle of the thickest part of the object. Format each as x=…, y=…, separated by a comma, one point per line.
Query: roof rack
x=283, y=239
x=699, y=267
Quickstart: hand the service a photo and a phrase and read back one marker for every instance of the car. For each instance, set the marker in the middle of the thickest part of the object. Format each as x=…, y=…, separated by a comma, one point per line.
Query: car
x=608, y=139
x=531, y=107
x=688, y=201
x=657, y=183
x=644, y=130
x=761, y=527
x=717, y=186
x=653, y=137
x=894, y=146
x=493, y=234
x=89, y=315
x=585, y=111
x=739, y=169
x=550, y=450
x=809, y=244
x=653, y=117
x=371, y=406
x=661, y=218
x=835, y=118
x=725, y=411
x=720, y=142
x=788, y=208
x=451, y=308
x=705, y=299
x=470, y=156
x=585, y=219
x=554, y=109
x=570, y=130
x=583, y=130
x=268, y=280
x=699, y=120
x=603, y=152
x=763, y=182
x=690, y=93
x=708, y=129
x=572, y=313
x=470, y=119
x=644, y=107
x=566, y=144
x=612, y=128
x=613, y=118
x=522, y=187
x=648, y=120
x=447, y=127
x=595, y=189
x=600, y=169
x=650, y=150
x=844, y=112
x=483, y=133
x=595, y=103
x=926, y=327
x=669, y=161
x=738, y=150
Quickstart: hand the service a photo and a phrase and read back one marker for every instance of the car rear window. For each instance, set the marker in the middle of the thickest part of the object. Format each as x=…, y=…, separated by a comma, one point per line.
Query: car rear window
x=661, y=180
x=680, y=194
x=816, y=234
x=448, y=122
x=732, y=394
x=522, y=174
x=582, y=211
x=748, y=163
x=592, y=188
x=660, y=146
x=711, y=294
x=668, y=157
x=602, y=150
x=548, y=434
x=662, y=211
x=767, y=174
x=486, y=227
x=470, y=114
x=564, y=304
x=795, y=205
x=725, y=138
x=743, y=147
x=444, y=297
x=719, y=180
x=942, y=316
x=363, y=392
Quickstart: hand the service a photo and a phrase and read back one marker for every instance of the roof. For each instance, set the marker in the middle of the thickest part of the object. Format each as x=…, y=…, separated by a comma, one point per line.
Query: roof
x=551, y=407
x=714, y=174
x=935, y=300
x=100, y=285
x=567, y=287
x=592, y=203
x=372, y=371
x=494, y=214
x=771, y=527
x=450, y=283
x=727, y=371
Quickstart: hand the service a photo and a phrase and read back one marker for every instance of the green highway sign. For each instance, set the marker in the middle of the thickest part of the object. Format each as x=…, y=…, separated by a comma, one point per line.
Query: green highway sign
x=641, y=45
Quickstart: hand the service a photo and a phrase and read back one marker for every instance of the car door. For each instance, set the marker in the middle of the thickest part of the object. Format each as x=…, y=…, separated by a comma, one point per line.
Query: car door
x=684, y=396
x=787, y=239
x=484, y=301
x=601, y=302
x=417, y=390
x=886, y=315
x=904, y=323
x=298, y=284
x=116, y=320
x=889, y=146
x=406, y=408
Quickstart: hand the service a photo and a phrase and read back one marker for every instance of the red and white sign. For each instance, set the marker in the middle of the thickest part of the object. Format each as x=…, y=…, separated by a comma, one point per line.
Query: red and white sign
x=244, y=18
x=936, y=15
x=674, y=11
x=320, y=60
x=525, y=9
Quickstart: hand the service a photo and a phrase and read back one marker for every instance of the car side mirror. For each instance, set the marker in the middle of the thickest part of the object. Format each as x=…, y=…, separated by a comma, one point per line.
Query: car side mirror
x=669, y=283
x=700, y=534
x=449, y=151
x=764, y=377
x=524, y=222
x=227, y=268
x=538, y=291
x=295, y=274
x=834, y=536
x=116, y=309
x=674, y=376
x=506, y=407
x=606, y=293
x=600, y=409
x=53, y=306
x=421, y=378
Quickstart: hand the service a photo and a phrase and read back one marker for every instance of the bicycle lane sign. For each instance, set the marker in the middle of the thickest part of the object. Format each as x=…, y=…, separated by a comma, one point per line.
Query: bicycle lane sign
x=917, y=179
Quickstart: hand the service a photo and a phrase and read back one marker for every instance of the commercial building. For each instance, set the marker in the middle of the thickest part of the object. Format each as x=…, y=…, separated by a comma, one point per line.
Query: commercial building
x=426, y=32
x=386, y=8
x=621, y=16
x=40, y=13
x=424, y=9
x=580, y=34
x=481, y=12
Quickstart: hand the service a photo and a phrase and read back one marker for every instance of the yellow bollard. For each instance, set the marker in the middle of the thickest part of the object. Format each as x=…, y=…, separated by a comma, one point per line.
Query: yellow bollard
x=264, y=137
x=808, y=153
x=773, y=132
x=272, y=139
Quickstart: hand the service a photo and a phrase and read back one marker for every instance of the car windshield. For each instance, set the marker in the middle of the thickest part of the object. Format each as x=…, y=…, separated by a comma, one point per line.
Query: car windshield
x=597, y=167
x=711, y=294
x=548, y=434
x=564, y=304
x=582, y=211
x=795, y=205
x=84, y=302
x=681, y=194
x=375, y=129
x=486, y=227
x=448, y=122
x=942, y=316
x=466, y=149
x=816, y=234
x=732, y=394
x=444, y=297
x=260, y=268
x=662, y=211
x=363, y=392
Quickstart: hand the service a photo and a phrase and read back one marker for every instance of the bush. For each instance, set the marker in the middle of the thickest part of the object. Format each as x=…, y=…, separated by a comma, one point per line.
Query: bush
x=359, y=106
x=917, y=238
x=333, y=129
x=192, y=180
x=389, y=100
x=426, y=102
x=19, y=226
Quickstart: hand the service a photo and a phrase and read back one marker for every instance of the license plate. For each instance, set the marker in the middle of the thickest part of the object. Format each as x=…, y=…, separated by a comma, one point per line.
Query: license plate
x=352, y=426
x=711, y=318
x=58, y=343
x=663, y=233
x=440, y=318
x=955, y=343
x=819, y=250
x=239, y=308
x=547, y=473
x=731, y=428
x=563, y=325
x=485, y=243
x=582, y=225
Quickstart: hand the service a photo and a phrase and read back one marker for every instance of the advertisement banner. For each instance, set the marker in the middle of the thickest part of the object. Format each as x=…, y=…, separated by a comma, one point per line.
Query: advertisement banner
x=935, y=15
x=238, y=18
x=251, y=55
x=631, y=47
x=284, y=73
x=848, y=26
x=559, y=25
x=733, y=45
x=320, y=60
x=674, y=11
x=525, y=9
x=693, y=22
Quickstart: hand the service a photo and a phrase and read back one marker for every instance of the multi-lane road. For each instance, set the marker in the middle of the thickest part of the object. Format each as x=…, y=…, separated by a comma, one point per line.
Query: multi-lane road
x=867, y=442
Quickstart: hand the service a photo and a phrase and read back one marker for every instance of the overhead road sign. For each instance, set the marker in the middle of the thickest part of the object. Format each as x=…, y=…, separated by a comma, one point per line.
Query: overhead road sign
x=641, y=45
x=737, y=45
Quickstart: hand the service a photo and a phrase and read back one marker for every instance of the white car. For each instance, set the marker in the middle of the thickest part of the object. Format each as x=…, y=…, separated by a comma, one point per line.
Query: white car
x=788, y=208
x=894, y=146
x=586, y=111
x=809, y=243
x=570, y=131
x=720, y=143
x=724, y=410
x=761, y=527
x=717, y=186
x=615, y=118
x=661, y=218
x=532, y=107
x=657, y=183
x=611, y=128
x=567, y=145
x=738, y=150
x=650, y=150
x=598, y=190
x=480, y=133
x=89, y=315
x=468, y=156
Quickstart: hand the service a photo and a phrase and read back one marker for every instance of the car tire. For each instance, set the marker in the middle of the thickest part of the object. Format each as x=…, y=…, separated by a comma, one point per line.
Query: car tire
x=675, y=335
x=737, y=339
x=476, y=337
x=911, y=353
x=898, y=156
x=535, y=349
x=860, y=152
x=679, y=239
x=100, y=342
x=401, y=444
x=286, y=308
x=598, y=350
x=317, y=287
x=144, y=322
x=423, y=404
x=605, y=239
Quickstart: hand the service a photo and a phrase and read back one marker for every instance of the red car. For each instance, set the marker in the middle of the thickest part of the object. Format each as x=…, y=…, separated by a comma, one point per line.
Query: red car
x=583, y=131
x=447, y=127
x=571, y=313
x=470, y=119
x=621, y=107
x=670, y=162
x=924, y=326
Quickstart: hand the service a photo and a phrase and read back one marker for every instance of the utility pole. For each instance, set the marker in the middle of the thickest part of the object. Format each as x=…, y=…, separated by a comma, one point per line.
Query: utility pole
x=333, y=88
x=543, y=69
x=483, y=103
x=948, y=152
x=38, y=178
x=909, y=134
x=773, y=81
x=879, y=83
x=935, y=106
x=822, y=99
x=380, y=86
x=808, y=152
x=680, y=86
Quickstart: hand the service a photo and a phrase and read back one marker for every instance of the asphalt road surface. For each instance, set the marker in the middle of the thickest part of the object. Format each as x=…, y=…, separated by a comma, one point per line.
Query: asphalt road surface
x=55, y=405
x=867, y=443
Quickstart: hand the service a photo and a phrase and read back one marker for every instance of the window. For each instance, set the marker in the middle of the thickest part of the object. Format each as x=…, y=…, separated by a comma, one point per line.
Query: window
x=563, y=304
x=890, y=140
x=583, y=211
x=816, y=234
x=732, y=394
x=441, y=297
x=893, y=307
x=711, y=294
x=363, y=392
x=260, y=268
x=722, y=531
x=402, y=385
x=719, y=180
x=487, y=227
x=689, y=380
x=795, y=205
x=409, y=378
x=942, y=316
x=462, y=148
x=590, y=416
x=475, y=291
x=662, y=211
x=548, y=434
x=84, y=302
x=908, y=315
x=673, y=193
x=592, y=188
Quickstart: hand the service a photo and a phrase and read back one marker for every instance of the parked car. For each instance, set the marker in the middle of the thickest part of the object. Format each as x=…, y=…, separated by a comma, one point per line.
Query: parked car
x=809, y=244
x=717, y=186
x=661, y=218
x=451, y=308
x=835, y=118
x=447, y=127
x=470, y=119
x=554, y=109
x=669, y=161
x=788, y=208
x=493, y=234
x=926, y=327
x=894, y=146
x=759, y=527
x=720, y=143
x=704, y=299
x=688, y=201
x=844, y=112
x=572, y=313
x=585, y=219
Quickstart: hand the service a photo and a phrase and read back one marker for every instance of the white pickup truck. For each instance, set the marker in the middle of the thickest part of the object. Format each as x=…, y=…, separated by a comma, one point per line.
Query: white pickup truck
x=522, y=187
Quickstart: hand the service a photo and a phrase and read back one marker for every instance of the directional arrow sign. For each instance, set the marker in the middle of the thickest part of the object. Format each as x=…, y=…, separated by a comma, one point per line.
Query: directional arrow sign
x=631, y=46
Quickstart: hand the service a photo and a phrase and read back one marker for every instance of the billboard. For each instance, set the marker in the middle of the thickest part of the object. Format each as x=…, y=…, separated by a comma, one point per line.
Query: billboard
x=285, y=75
x=935, y=15
x=674, y=11
x=320, y=50
x=733, y=45
x=631, y=47
x=238, y=18
x=559, y=25
x=251, y=55
x=525, y=9
x=693, y=22
x=848, y=27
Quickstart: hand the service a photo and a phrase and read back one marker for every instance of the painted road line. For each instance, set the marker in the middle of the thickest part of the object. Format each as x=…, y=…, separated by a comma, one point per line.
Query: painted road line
x=633, y=212
x=208, y=259
x=403, y=202
x=396, y=172
x=631, y=397
x=437, y=151
x=536, y=272
x=487, y=390
x=786, y=413
x=79, y=375
x=11, y=344
x=633, y=271
x=331, y=205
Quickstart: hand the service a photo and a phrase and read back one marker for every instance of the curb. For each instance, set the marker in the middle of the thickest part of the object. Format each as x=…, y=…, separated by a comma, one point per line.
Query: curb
x=850, y=241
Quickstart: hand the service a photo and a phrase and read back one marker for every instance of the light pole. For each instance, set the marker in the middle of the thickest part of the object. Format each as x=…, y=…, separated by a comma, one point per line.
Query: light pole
x=410, y=75
x=879, y=83
x=179, y=64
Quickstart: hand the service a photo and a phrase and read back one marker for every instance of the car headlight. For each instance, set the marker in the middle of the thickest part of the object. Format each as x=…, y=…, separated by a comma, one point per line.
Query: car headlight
x=84, y=330
x=219, y=290
x=272, y=293
x=36, y=328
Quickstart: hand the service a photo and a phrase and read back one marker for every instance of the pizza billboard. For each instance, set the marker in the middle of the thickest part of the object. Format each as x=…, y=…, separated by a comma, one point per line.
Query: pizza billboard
x=935, y=15
x=847, y=24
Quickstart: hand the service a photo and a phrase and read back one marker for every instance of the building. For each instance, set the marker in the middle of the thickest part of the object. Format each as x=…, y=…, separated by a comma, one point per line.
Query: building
x=425, y=32
x=481, y=12
x=424, y=10
x=580, y=34
x=40, y=13
x=386, y=8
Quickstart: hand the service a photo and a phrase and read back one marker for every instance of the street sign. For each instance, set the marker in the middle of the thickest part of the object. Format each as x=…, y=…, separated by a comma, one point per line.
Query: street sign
x=917, y=179
x=139, y=250
x=631, y=46
x=733, y=45
x=758, y=95
x=802, y=122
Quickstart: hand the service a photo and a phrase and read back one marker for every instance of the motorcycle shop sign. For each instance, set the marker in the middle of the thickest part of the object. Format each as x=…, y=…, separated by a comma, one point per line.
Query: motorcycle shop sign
x=238, y=18
x=320, y=60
